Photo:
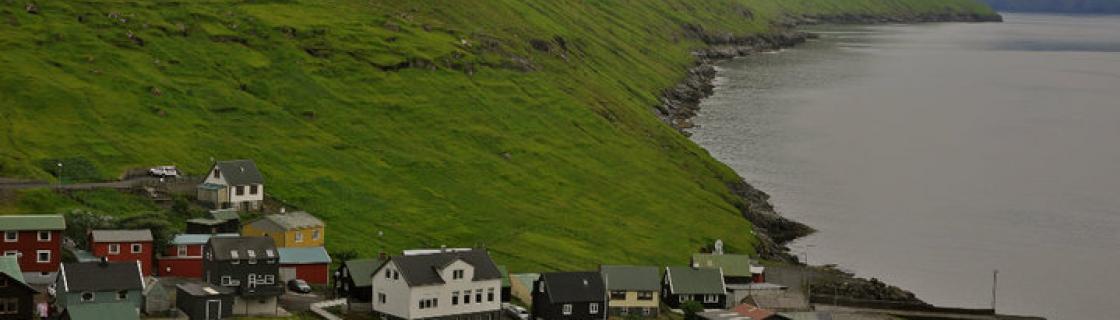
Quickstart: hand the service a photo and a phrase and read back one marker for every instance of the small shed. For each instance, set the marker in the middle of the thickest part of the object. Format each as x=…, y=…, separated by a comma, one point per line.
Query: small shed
x=157, y=298
x=310, y=264
x=202, y=301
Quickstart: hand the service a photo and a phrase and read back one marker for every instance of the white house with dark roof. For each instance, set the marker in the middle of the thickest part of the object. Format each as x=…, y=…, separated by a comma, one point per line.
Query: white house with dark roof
x=233, y=184
x=444, y=285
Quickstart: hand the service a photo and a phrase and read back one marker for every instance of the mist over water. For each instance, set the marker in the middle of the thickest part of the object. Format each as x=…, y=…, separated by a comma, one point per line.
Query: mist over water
x=929, y=155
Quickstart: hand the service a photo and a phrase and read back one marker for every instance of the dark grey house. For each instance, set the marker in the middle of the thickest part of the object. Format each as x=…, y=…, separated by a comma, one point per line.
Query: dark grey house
x=250, y=267
x=704, y=285
x=353, y=279
x=203, y=301
x=16, y=296
x=569, y=295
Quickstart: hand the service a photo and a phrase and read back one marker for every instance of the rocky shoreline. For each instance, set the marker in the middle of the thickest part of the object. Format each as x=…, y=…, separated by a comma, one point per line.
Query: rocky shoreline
x=679, y=104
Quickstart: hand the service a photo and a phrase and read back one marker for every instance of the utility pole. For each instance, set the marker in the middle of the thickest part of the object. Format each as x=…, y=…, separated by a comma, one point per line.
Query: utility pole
x=995, y=280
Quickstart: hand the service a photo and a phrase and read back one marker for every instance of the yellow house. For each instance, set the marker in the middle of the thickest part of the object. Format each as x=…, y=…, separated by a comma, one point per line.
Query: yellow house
x=289, y=230
x=633, y=290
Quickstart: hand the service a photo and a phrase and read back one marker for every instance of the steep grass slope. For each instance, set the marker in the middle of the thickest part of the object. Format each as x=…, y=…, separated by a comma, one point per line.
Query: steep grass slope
x=521, y=125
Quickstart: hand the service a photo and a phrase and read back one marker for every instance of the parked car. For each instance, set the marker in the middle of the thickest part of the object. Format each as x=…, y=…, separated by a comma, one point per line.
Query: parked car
x=164, y=171
x=298, y=285
x=515, y=311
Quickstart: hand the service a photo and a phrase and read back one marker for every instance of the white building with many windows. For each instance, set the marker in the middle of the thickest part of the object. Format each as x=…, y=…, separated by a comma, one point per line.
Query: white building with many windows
x=442, y=285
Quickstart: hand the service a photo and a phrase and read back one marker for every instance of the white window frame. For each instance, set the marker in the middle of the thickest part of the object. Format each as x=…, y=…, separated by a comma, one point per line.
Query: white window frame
x=182, y=251
x=299, y=236
x=711, y=298
x=478, y=296
x=315, y=234
x=114, y=248
x=40, y=236
x=566, y=309
x=136, y=248
x=9, y=233
x=13, y=253
x=38, y=255
x=593, y=308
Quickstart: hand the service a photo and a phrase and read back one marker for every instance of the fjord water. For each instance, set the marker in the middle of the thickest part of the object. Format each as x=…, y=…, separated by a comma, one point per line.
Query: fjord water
x=929, y=155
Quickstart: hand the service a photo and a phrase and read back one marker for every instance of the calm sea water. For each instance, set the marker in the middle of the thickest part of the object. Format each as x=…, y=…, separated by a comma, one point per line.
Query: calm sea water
x=930, y=155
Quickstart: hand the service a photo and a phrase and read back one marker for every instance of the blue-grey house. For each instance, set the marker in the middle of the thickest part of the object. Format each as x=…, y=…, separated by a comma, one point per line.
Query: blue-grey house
x=99, y=282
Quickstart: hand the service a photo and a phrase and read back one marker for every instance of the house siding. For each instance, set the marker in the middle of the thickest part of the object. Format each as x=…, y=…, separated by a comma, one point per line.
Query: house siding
x=403, y=301
x=545, y=309
x=249, y=300
x=67, y=299
x=25, y=299
x=312, y=273
x=28, y=244
x=101, y=249
x=195, y=307
x=632, y=305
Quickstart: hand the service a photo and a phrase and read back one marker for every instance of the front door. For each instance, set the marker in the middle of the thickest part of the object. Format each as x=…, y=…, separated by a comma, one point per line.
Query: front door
x=213, y=309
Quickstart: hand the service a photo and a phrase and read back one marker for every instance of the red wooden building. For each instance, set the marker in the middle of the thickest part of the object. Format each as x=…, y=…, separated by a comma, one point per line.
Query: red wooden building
x=35, y=240
x=310, y=264
x=183, y=255
x=123, y=245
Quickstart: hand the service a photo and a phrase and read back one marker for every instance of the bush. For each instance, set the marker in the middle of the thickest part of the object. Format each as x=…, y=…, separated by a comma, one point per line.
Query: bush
x=74, y=169
x=692, y=310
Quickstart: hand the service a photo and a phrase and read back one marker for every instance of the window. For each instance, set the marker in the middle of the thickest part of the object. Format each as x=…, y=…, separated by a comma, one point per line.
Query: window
x=711, y=298
x=11, y=236
x=123, y=294
x=227, y=281
x=455, y=298
x=44, y=236
x=240, y=190
x=182, y=251
x=593, y=308
x=478, y=296
x=13, y=253
x=269, y=253
x=490, y=295
x=136, y=248
x=541, y=287
x=682, y=298
x=645, y=295
x=467, y=297
x=9, y=306
x=217, y=173
x=456, y=274
x=299, y=236
x=114, y=248
x=429, y=303
x=396, y=275
x=315, y=234
x=381, y=298
x=618, y=295
x=87, y=296
x=43, y=256
x=253, y=189
x=567, y=310
x=388, y=273
x=252, y=256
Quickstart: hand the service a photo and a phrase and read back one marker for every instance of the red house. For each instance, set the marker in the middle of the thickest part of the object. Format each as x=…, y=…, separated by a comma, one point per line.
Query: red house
x=310, y=264
x=183, y=255
x=35, y=240
x=123, y=245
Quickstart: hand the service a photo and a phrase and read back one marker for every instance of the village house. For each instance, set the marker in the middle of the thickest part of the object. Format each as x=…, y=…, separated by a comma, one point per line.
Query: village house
x=506, y=284
x=632, y=290
x=99, y=282
x=35, y=240
x=704, y=285
x=521, y=286
x=443, y=285
x=183, y=255
x=101, y=311
x=248, y=265
x=288, y=230
x=203, y=301
x=234, y=184
x=220, y=221
x=569, y=296
x=738, y=269
x=123, y=246
x=309, y=264
x=17, y=298
x=353, y=278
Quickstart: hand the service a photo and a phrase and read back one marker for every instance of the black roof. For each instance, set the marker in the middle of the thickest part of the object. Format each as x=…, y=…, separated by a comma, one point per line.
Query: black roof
x=419, y=270
x=240, y=172
x=565, y=287
x=223, y=247
x=101, y=276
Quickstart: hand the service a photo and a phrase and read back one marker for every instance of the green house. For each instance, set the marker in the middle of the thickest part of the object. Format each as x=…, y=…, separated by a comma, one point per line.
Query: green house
x=101, y=311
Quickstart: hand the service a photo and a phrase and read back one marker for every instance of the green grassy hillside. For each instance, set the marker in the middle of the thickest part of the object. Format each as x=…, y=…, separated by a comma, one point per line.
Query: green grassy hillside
x=522, y=125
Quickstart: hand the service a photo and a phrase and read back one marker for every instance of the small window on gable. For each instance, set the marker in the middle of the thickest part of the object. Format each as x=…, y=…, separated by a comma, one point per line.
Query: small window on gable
x=396, y=275
x=457, y=274
x=123, y=294
x=217, y=173
x=87, y=296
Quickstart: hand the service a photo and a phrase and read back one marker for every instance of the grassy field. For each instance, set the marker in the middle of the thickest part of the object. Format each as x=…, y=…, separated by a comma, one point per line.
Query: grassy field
x=521, y=125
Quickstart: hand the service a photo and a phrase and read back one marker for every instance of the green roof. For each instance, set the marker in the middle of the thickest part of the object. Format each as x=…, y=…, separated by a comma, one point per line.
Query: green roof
x=312, y=255
x=106, y=310
x=362, y=270
x=32, y=222
x=505, y=275
x=733, y=265
x=10, y=265
x=686, y=280
x=638, y=278
x=225, y=215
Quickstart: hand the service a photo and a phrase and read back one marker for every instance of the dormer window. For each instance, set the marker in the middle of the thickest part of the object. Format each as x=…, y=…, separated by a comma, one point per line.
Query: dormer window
x=270, y=253
x=456, y=274
x=233, y=254
x=567, y=309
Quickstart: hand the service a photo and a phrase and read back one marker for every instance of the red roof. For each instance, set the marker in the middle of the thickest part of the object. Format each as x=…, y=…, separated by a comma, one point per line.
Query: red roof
x=753, y=312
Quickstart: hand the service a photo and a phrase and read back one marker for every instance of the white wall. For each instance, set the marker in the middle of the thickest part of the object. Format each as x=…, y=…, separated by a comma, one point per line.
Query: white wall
x=404, y=301
x=397, y=293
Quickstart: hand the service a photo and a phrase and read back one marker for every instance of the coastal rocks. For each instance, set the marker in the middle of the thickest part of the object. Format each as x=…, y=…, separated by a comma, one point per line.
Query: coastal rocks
x=880, y=19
